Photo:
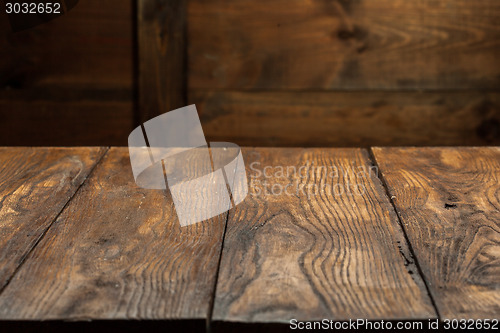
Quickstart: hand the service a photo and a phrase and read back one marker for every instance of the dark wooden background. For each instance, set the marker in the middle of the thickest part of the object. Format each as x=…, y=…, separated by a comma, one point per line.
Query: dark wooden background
x=268, y=73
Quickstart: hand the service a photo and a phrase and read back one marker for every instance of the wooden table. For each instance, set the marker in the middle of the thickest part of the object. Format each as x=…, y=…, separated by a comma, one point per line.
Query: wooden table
x=419, y=240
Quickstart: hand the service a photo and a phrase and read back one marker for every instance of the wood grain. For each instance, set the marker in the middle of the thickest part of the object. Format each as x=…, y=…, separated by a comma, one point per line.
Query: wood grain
x=118, y=252
x=310, y=251
x=338, y=44
x=449, y=202
x=350, y=118
x=35, y=185
x=162, y=56
x=79, y=65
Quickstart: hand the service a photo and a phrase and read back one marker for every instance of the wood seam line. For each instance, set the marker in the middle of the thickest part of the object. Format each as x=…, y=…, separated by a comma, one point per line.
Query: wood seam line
x=136, y=114
x=382, y=179
x=185, y=54
x=208, y=327
x=30, y=251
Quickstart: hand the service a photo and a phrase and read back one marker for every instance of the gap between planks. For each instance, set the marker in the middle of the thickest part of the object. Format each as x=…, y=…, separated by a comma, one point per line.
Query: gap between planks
x=209, y=318
x=42, y=235
x=381, y=178
x=412, y=263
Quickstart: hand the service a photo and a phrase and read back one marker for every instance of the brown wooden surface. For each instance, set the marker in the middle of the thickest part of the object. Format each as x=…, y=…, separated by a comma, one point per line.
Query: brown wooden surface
x=350, y=118
x=364, y=44
x=118, y=252
x=108, y=249
x=448, y=201
x=162, y=56
x=316, y=254
x=69, y=81
x=35, y=185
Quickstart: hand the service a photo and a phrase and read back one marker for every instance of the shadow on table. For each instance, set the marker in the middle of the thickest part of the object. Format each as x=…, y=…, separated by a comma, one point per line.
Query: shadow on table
x=105, y=326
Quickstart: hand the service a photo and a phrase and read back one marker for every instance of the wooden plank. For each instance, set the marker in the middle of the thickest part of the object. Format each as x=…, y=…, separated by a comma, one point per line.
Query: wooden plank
x=329, y=45
x=89, y=47
x=349, y=118
x=76, y=70
x=35, y=185
x=118, y=252
x=162, y=56
x=65, y=122
x=314, y=243
x=448, y=200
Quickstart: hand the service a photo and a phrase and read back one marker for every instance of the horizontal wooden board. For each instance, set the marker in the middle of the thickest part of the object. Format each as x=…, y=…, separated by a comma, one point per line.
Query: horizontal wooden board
x=362, y=44
x=65, y=123
x=35, y=185
x=315, y=243
x=118, y=252
x=350, y=118
x=88, y=47
x=449, y=203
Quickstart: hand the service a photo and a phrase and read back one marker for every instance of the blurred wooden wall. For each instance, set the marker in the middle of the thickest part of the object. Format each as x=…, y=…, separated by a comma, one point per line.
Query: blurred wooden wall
x=275, y=72
x=346, y=72
x=69, y=81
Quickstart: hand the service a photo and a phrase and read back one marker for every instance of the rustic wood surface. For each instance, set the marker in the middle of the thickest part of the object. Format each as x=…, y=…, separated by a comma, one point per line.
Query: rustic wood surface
x=162, y=56
x=448, y=200
x=118, y=252
x=310, y=252
x=35, y=185
x=417, y=239
x=339, y=44
x=349, y=118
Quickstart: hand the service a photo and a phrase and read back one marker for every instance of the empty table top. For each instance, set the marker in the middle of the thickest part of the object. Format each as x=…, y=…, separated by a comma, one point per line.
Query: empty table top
x=323, y=233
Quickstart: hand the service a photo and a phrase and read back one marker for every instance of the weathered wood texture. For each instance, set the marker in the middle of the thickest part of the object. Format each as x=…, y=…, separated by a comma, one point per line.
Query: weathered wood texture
x=321, y=73
x=35, y=185
x=449, y=202
x=117, y=252
x=162, y=56
x=350, y=118
x=309, y=251
x=69, y=81
x=339, y=44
